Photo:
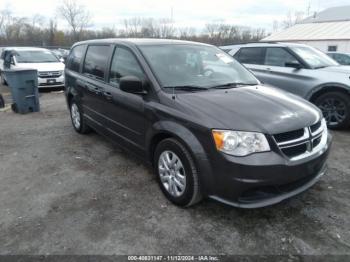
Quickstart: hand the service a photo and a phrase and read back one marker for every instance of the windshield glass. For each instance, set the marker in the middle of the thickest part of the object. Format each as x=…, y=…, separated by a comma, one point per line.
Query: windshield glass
x=195, y=66
x=313, y=57
x=35, y=56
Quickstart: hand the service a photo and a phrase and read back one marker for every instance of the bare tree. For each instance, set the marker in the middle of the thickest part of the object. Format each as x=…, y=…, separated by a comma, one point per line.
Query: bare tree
x=77, y=16
x=292, y=19
x=186, y=32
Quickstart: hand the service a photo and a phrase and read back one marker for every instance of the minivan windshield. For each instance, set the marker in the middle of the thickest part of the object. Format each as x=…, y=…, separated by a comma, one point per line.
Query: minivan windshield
x=313, y=57
x=195, y=66
x=35, y=56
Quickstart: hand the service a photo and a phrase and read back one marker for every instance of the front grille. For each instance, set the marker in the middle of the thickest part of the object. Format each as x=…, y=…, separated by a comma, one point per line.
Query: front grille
x=315, y=127
x=294, y=144
x=294, y=151
x=49, y=74
x=317, y=141
x=283, y=137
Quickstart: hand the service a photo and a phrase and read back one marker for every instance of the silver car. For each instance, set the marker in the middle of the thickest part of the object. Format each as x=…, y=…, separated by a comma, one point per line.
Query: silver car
x=302, y=70
x=341, y=58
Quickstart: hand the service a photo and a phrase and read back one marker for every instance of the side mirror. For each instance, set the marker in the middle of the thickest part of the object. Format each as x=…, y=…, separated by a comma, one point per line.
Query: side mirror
x=132, y=84
x=295, y=65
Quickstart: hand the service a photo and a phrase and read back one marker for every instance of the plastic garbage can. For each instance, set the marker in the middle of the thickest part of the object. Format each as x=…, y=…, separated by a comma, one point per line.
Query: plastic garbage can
x=24, y=90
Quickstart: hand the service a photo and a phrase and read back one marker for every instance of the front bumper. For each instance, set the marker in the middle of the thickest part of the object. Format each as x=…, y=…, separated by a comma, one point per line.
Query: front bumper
x=51, y=82
x=266, y=178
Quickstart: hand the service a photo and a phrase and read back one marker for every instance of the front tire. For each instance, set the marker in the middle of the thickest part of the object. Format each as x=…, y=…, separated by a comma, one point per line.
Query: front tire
x=335, y=107
x=77, y=118
x=2, y=79
x=177, y=173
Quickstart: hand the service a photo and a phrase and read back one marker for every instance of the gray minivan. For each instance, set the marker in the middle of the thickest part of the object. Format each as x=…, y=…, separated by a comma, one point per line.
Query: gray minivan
x=201, y=119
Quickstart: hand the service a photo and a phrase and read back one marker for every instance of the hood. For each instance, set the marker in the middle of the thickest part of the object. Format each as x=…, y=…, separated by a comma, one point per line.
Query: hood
x=254, y=108
x=42, y=67
x=337, y=69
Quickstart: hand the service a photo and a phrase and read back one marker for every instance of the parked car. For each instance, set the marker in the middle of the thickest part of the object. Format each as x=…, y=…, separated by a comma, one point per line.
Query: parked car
x=61, y=54
x=50, y=68
x=341, y=58
x=220, y=134
x=304, y=71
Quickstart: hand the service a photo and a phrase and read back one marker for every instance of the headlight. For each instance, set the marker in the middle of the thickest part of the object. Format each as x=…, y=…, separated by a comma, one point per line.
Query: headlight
x=239, y=143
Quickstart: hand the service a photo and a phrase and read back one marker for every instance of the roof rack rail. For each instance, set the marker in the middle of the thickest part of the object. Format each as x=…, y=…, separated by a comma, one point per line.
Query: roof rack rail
x=246, y=43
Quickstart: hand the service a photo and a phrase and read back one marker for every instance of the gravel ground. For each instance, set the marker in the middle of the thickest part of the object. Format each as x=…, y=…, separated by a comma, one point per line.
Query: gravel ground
x=64, y=193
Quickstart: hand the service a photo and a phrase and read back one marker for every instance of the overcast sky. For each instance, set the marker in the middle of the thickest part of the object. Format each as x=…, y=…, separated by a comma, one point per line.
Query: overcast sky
x=188, y=13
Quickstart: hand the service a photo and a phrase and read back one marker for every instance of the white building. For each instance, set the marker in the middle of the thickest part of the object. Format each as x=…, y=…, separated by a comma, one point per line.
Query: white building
x=328, y=30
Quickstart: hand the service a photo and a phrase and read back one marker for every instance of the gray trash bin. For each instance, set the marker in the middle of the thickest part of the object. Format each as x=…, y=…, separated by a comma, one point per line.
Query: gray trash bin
x=24, y=90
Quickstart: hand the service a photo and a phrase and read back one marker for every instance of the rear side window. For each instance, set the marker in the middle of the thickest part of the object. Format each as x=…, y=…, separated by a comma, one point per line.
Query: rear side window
x=96, y=61
x=277, y=56
x=251, y=55
x=124, y=63
x=75, y=58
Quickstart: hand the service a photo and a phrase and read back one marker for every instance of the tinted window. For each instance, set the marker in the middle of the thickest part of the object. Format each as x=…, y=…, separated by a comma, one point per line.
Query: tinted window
x=124, y=63
x=75, y=58
x=252, y=55
x=96, y=60
x=278, y=57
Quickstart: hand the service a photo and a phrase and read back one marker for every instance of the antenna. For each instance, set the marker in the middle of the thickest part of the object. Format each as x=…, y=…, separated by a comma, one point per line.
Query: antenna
x=173, y=96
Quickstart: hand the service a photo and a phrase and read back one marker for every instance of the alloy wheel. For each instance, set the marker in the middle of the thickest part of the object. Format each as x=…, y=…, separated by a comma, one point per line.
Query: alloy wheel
x=75, y=116
x=334, y=110
x=172, y=173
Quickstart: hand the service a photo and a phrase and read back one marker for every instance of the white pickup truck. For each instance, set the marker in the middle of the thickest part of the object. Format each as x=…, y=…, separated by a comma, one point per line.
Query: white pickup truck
x=50, y=68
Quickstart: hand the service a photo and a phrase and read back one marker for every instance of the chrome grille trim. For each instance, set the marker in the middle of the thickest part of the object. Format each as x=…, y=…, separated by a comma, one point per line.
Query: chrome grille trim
x=308, y=139
x=302, y=138
x=48, y=74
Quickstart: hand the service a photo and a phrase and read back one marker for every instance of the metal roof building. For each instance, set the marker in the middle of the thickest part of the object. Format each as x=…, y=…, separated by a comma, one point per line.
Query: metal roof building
x=328, y=30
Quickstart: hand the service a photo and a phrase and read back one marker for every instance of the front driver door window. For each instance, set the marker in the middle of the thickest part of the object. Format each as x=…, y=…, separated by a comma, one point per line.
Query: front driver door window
x=279, y=57
x=125, y=111
x=278, y=62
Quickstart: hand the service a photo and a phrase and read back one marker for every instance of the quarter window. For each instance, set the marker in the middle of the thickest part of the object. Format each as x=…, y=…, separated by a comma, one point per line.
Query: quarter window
x=75, y=57
x=96, y=61
x=124, y=63
x=251, y=55
x=279, y=57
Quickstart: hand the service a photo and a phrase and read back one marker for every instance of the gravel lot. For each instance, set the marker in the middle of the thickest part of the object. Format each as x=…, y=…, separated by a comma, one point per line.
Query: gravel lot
x=64, y=193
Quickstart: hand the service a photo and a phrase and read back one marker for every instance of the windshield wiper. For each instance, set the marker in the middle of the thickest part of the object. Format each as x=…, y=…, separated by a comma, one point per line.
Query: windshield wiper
x=231, y=85
x=187, y=88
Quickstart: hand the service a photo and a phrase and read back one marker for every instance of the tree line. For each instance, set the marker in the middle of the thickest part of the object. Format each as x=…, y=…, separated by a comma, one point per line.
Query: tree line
x=40, y=31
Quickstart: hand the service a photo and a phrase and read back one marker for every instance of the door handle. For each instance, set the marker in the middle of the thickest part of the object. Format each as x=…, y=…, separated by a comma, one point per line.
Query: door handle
x=108, y=95
x=93, y=89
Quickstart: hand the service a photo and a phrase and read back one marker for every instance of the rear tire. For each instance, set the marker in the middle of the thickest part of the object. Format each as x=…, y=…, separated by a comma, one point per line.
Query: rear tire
x=335, y=107
x=177, y=177
x=77, y=118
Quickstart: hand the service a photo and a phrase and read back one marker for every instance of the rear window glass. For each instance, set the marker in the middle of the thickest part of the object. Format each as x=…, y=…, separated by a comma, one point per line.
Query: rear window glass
x=96, y=61
x=75, y=58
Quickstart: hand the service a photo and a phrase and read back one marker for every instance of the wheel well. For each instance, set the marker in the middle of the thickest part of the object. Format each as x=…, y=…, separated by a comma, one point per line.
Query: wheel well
x=69, y=98
x=155, y=141
x=326, y=90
